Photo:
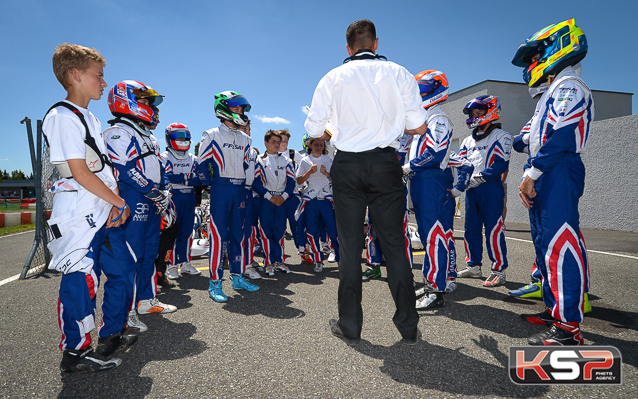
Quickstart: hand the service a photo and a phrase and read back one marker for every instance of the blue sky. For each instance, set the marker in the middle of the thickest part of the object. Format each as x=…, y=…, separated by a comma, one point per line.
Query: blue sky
x=275, y=51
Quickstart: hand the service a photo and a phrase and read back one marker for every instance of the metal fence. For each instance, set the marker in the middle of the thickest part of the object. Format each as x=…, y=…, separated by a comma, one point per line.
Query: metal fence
x=45, y=175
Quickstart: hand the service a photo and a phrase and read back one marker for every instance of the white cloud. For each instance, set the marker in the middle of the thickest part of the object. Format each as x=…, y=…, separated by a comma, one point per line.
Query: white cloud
x=4, y=159
x=276, y=120
x=305, y=109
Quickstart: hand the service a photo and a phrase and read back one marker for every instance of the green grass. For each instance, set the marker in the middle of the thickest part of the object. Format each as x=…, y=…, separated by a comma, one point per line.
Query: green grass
x=5, y=231
x=7, y=208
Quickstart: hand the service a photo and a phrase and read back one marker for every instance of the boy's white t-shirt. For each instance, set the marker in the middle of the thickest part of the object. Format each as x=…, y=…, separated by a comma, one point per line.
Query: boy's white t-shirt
x=77, y=213
x=317, y=182
x=65, y=134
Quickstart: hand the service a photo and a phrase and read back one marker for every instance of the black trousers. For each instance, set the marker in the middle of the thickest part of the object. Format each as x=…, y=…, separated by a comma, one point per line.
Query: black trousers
x=371, y=179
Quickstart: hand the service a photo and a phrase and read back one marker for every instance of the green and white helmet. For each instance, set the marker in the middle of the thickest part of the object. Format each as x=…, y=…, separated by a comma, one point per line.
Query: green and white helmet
x=227, y=99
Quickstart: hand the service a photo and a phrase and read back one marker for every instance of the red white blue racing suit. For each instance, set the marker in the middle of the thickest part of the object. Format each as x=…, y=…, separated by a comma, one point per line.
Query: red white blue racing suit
x=374, y=253
x=489, y=153
x=181, y=174
x=273, y=177
x=82, y=247
x=223, y=160
x=433, y=202
x=558, y=134
x=134, y=152
x=251, y=223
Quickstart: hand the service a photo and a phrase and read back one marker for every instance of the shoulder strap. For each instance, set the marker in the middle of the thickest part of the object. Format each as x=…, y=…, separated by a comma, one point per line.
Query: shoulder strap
x=88, y=139
x=291, y=155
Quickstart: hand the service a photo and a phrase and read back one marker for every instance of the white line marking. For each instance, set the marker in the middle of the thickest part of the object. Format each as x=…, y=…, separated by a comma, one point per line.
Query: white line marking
x=17, y=234
x=531, y=242
x=10, y=279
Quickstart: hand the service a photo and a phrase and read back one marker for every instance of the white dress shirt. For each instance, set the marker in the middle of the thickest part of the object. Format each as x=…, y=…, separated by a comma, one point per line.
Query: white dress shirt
x=368, y=102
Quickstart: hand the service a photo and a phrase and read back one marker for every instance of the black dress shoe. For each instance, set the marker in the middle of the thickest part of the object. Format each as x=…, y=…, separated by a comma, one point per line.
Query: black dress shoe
x=413, y=341
x=335, y=329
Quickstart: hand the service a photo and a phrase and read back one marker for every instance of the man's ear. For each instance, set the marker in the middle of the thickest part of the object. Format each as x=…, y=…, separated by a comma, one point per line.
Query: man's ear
x=376, y=45
x=350, y=52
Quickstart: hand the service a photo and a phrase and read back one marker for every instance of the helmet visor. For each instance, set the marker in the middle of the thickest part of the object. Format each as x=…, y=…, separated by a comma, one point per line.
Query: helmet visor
x=239, y=101
x=428, y=86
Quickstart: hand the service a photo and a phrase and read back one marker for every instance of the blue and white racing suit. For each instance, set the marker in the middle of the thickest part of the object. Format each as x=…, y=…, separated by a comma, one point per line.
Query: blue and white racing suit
x=558, y=134
x=433, y=201
x=273, y=177
x=374, y=253
x=181, y=174
x=223, y=160
x=134, y=152
x=251, y=222
x=489, y=153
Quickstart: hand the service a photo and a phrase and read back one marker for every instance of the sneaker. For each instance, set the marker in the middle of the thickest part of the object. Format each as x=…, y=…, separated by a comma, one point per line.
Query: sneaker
x=430, y=301
x=215, y=291
x=108, y=345
x=306, y=257
x=86, y=361
x=542, y=318
x=373, y=271
x=187, y=268
x=413, y=341
x=281, y=267
x=325, y=247
x=153, y=305
x=332, y=258
x=318, y=267
x=421, y=291
x=163, y=281
x=240, y=283
x=251, y=273
x=470, y=272
x=133, y=322
x=270, y=270
x=255, y=265
x=495, y=279
x=171, y=272
x=532, y=290
x=558, y=334
x=450, y=285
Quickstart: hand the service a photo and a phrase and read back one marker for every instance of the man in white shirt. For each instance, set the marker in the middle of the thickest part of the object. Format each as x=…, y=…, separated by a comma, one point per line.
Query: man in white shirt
x=369, y=103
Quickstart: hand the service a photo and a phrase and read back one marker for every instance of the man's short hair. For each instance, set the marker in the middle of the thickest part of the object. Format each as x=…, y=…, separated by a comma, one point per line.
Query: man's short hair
x=361, y=34
x=69, y=56
x=270, y=134
x=284, y=132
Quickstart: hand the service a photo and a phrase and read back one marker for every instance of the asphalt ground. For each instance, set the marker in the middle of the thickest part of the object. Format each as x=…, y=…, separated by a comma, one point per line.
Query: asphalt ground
x=275, y=342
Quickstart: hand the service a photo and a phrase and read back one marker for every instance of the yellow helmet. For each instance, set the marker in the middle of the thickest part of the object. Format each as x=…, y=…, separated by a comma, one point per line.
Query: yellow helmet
x=558, y=46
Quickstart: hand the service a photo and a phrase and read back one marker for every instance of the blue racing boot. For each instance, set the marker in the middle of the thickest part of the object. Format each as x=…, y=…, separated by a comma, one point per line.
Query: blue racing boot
x=240, y=283
x=532, y=290
x=215, y=291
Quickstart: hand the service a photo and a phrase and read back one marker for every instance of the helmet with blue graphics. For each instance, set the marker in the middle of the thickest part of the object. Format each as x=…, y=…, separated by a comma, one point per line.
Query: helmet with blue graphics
x=433, y=86
x=482, y=110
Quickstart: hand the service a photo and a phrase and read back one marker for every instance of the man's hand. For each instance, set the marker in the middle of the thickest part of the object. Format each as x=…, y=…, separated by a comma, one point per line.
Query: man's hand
x=277, y=199
x=527, y=191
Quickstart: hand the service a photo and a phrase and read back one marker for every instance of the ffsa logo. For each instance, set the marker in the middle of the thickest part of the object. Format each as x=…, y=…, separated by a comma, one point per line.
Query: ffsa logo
x=547, y=365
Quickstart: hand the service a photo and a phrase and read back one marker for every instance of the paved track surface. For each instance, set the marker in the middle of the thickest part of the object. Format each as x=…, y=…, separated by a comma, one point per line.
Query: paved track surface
x=275, y=342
